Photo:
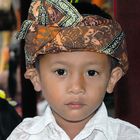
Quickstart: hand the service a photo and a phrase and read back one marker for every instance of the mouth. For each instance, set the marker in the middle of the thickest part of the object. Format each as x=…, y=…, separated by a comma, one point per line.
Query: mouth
x=75, y=105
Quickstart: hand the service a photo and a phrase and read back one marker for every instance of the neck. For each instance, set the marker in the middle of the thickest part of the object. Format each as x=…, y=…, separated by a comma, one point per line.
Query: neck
x=72, y=128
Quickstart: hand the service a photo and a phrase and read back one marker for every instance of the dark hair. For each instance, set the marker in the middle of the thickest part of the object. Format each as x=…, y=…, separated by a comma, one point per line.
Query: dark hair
x=114, y=62
x=9, y=119
x=37, y=60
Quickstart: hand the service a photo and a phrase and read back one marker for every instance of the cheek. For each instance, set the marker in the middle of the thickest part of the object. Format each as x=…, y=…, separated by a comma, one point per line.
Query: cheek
x=52, y=89
x=97, y=90
x=96, y=95
x=98, y=85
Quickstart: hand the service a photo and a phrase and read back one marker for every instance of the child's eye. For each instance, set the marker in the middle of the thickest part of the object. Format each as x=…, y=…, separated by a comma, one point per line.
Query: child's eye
x=92, y=73
x=61, y=72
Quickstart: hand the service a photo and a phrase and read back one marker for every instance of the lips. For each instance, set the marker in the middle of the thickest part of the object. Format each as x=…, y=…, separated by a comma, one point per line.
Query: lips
x=75, y=105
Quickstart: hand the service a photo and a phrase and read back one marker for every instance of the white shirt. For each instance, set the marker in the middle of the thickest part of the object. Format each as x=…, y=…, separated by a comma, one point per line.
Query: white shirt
x=100, y=127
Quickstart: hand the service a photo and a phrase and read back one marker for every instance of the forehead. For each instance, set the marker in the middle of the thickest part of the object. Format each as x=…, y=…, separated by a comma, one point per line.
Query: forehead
x=76, y=58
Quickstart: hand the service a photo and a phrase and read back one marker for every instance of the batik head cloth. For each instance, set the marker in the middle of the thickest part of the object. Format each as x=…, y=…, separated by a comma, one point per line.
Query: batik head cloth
x=55, y=26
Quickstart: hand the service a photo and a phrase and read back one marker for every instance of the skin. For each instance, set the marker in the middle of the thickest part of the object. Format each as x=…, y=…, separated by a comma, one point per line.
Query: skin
x=74, y=84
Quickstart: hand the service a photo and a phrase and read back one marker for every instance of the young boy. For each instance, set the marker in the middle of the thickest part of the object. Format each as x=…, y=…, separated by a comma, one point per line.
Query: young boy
x=74, y=60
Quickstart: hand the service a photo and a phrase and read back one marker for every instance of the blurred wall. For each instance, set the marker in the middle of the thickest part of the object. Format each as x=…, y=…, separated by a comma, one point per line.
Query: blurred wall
x=128, y=94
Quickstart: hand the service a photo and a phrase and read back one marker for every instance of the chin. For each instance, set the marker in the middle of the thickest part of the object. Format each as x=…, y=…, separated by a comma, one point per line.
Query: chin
x=77, y=119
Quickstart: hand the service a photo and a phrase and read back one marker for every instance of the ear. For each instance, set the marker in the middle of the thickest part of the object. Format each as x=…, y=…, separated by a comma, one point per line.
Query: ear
x=115, y=76
x=33, y=75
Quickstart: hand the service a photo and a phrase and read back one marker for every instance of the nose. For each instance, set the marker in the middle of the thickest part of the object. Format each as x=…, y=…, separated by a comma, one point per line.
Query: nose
x=77, y=85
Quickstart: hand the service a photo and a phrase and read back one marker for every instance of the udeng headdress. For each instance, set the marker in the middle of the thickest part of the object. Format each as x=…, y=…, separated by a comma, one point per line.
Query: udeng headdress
x=55, y=26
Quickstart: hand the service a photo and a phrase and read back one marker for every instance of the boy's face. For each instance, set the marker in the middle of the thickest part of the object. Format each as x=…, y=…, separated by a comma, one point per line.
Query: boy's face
x=75, y=83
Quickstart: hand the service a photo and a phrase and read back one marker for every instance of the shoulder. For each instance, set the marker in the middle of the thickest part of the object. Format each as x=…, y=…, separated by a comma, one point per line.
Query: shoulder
x=123, y=129
x=26, y=128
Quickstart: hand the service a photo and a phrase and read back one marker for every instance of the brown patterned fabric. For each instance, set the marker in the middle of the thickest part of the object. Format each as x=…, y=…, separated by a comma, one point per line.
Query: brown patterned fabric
x=56, y=26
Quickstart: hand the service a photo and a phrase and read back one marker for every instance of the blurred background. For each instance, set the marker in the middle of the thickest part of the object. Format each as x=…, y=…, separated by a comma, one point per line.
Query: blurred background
x=123, y=103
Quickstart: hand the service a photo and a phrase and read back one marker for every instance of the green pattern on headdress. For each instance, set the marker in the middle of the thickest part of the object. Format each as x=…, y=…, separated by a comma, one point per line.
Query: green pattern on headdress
x=114, y=44
x=24, y=29
x=42, y=17
x=72, y=16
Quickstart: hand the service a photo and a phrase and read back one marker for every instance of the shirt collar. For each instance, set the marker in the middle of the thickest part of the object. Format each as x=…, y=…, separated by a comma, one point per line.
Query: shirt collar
x=38, y=124
x=99, y=122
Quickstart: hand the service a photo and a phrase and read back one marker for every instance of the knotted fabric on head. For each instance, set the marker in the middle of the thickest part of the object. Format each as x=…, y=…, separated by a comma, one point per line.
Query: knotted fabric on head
x=55, y=26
